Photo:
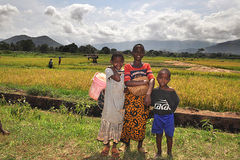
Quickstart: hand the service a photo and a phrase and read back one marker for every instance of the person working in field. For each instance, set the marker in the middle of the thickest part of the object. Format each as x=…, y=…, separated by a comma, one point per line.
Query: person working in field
x=113, y=112
x=50, y=63
x=59, y=60
x=4, y=132
x=136, y=106
x=165, y=101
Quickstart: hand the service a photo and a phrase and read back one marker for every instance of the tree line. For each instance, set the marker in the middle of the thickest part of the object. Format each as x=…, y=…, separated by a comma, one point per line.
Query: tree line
x=28, y=45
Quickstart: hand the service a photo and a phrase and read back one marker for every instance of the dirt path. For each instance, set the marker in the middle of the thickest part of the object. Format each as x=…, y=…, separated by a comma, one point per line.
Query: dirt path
x=197, y=67
x=208, y=113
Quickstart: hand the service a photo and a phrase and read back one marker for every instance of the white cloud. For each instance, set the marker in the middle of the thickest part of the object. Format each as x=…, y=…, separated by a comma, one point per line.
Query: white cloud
x=50, y=11
x=69, y=18
x=185, y=25
x=77, y=11
x=68, y=28
x=84, y=23
x=29, y=11
x=6, y=13
x=220, y=5
x=28, y=19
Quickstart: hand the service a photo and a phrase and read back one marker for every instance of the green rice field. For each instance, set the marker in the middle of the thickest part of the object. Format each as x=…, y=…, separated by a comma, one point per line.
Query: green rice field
x=216, y=91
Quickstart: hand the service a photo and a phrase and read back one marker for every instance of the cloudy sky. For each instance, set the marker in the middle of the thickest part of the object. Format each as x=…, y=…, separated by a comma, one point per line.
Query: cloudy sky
x=98, y=21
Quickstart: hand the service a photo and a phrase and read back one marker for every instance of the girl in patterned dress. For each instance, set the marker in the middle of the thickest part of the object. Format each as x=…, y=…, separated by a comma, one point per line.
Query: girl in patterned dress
x=136, y=107
x=113, y=112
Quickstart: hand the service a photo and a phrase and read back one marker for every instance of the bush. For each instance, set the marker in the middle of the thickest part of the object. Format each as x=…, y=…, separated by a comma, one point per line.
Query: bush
x=40, y=91
x=21, y=110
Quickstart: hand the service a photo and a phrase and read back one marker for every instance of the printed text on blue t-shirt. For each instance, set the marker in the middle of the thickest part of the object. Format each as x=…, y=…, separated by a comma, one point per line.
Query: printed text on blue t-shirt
x=162, y=105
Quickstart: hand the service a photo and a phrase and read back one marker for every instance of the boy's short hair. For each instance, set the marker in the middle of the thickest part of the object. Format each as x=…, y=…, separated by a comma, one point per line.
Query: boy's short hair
x=165, y=70
x=117, y=54
x=138, y=45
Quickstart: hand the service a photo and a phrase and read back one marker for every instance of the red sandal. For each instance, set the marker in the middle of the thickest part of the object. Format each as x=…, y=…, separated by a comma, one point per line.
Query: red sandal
x=105, y=151
x=115, y=153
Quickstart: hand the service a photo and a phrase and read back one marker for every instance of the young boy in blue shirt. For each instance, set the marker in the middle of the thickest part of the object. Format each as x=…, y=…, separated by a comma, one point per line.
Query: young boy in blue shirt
x=165, y=101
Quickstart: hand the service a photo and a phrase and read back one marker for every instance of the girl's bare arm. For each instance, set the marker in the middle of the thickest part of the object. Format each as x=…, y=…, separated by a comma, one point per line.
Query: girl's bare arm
x=151, y=86
x=132, y=83
x=147, y=100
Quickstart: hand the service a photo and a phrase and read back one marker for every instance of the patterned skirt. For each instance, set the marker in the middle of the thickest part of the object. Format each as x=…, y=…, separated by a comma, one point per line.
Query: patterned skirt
x=135, y=118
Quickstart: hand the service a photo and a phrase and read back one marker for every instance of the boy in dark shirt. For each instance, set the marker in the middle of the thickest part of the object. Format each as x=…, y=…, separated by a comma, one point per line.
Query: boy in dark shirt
x=165, y=101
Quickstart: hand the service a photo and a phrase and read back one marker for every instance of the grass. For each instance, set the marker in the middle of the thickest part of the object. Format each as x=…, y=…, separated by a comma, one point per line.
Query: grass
x=37, y=134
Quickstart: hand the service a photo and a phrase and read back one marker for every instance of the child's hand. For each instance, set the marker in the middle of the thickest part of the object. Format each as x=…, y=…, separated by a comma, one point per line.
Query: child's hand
x=111, y=67
x=116, y=75
x=114, y=69
x=145, y=82
x=147, y=100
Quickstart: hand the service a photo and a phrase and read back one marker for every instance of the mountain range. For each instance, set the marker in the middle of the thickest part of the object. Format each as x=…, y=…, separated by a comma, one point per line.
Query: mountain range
x=225, y=47
x=36, y=40
x=174, y=46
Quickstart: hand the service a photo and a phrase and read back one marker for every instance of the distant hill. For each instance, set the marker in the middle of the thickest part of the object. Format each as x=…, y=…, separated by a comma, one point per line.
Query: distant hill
x=189, y=50
x=225, y=47
x=36, y=40
x=175, y=46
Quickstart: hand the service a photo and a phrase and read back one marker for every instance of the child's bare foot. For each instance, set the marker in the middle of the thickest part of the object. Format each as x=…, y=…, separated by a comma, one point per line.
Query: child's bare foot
x=115, y=153
x=105, y=150
x=5, y=132
x=158, y=156
x=170, y=157
x=124, y=148
x=142, y=150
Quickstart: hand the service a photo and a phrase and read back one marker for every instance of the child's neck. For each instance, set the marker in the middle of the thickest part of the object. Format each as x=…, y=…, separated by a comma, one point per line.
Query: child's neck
x=116, y=69
x=164, y=87
x=137, y=64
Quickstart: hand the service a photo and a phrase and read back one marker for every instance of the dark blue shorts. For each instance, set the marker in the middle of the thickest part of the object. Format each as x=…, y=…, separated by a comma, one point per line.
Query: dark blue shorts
x=163, y=122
